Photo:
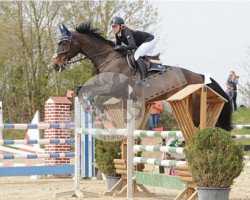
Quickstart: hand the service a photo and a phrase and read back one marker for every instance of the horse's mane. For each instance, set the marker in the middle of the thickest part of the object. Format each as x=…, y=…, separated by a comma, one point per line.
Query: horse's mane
x=86, y=28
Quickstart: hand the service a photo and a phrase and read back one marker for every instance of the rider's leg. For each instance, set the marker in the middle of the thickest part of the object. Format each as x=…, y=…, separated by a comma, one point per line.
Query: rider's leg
x=142, y=68
x=142, y=50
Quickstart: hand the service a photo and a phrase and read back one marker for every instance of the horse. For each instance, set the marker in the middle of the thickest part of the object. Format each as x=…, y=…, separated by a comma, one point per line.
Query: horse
x=100, y=51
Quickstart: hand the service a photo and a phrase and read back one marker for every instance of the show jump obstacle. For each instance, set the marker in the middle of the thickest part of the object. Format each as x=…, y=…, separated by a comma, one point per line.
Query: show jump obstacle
x=210, y=104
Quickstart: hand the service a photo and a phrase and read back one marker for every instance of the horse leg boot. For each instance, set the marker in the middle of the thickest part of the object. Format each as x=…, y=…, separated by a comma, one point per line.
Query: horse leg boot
x=143, y=71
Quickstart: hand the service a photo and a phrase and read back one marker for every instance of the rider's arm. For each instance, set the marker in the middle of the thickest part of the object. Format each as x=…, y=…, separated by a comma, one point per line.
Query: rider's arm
x=117, y=42
x=130, y=38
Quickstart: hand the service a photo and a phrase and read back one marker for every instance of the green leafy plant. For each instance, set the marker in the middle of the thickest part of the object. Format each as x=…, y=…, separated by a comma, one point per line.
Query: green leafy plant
x=214, y=159
x=168, y=121
x=105, y=153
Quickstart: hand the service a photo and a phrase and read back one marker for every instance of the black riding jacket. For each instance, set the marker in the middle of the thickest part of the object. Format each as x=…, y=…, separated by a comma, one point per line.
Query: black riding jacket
x=133, y=39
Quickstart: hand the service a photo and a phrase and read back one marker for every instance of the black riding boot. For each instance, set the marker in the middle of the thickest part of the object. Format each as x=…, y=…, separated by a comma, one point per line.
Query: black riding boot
x=143, y=71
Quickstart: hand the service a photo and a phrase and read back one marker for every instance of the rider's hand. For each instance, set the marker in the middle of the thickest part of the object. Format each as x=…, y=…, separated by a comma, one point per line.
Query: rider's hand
x=119, y=47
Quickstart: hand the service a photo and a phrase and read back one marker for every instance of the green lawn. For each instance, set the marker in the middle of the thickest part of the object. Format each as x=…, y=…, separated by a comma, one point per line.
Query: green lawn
x=242, y=117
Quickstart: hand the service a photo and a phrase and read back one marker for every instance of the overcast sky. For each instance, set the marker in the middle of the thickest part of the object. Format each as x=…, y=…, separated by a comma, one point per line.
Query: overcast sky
x=206, y=37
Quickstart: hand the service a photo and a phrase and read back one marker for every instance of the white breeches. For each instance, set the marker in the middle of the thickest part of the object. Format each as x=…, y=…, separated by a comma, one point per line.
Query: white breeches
x=145, y=48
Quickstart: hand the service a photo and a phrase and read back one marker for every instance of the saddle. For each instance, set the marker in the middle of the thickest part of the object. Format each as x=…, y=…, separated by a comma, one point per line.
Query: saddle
x=152, y=63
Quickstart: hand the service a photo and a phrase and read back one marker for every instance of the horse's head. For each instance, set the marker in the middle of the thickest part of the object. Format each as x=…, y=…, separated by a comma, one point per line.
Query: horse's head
x=67, y=48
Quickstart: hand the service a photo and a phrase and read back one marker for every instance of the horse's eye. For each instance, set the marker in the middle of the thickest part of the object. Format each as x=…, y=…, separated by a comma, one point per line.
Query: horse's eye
x=64, y=43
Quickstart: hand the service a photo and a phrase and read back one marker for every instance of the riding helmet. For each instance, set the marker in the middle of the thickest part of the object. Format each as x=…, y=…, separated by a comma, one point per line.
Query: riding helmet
x=116, y=20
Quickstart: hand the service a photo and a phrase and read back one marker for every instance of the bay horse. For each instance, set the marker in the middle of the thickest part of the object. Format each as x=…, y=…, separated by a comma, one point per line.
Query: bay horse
x=100, y=51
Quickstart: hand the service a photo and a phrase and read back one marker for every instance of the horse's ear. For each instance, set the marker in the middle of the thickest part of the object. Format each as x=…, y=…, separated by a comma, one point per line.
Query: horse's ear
x=61, y=30
x=65, y=29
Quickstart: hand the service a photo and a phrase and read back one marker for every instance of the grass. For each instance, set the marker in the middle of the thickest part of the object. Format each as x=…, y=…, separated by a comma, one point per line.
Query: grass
x=242, y=117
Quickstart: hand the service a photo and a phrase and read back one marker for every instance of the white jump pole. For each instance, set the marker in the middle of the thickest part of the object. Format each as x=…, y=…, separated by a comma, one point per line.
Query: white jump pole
x=130, y=143
x=77, y=177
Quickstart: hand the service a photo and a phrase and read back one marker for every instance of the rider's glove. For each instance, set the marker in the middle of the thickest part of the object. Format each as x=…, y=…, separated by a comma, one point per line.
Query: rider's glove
x=119, y=47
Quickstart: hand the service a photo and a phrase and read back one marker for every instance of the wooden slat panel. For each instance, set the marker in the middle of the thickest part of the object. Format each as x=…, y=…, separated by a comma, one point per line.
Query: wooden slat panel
x=177, y=117
x=210, y=114
x=185, y=173
x=121, y=171
x=186, y=179
x=203, y=108
x=120, y=166
x=183, y=167
x=183, y=121
x=187, y=118
x=217, y=112
x=185, y=92
x=190, y=104
x=183, y=118
x=115, y=113
x=119, y=161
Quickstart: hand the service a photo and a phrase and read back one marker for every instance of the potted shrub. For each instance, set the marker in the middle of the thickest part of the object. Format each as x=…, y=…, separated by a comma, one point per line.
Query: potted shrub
x=214, y=160
x=105, y=153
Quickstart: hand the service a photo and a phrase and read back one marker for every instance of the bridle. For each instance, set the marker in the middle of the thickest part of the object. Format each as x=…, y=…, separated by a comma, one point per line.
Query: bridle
x=66, y=61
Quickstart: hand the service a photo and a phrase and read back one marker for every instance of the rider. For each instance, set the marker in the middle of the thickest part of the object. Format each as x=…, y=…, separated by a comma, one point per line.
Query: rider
x=142, y=42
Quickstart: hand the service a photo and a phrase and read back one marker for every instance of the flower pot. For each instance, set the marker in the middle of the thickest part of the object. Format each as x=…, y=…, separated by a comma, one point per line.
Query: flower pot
x=205, y=193
x=111, y=181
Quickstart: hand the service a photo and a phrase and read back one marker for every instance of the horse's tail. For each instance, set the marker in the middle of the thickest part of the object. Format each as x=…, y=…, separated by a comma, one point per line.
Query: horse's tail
x=224, y=120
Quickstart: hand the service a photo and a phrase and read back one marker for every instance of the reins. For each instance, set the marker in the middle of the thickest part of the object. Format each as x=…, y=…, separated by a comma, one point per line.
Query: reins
x=96, y=55
x=99, y=54
x=108, y=61
x=77, y=60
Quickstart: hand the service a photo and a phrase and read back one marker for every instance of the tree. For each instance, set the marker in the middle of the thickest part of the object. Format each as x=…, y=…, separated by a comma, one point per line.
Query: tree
x=26, y=57
x=28, y=36
x=137, y=14
x=245, y=90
